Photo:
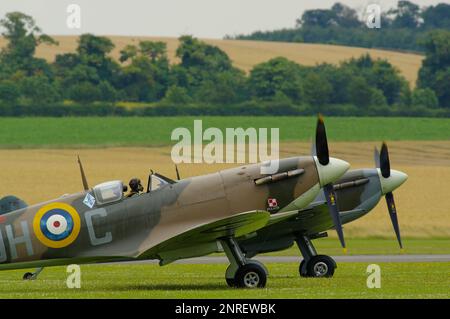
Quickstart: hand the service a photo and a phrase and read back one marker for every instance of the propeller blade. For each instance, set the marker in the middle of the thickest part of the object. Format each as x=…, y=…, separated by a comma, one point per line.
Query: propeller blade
x=83, y=176
x=321, y=142
x=178, y=173
x=393, y=214
x=334, y=211
x=376, y=157
x=385, y=165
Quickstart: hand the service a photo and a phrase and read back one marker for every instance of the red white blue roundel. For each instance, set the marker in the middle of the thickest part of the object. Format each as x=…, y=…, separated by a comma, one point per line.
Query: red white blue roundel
x=56, y=224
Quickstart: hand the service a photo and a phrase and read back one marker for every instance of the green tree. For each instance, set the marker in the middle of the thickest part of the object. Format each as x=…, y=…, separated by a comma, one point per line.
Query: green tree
x=89, y=70
x=146, y=77
x=93, y=51
x=274, y=76
x=23, y=37
x=107, y=92
x=406, y=15
x=195, y=53
x=84, y=92
x=438, y=16
x=9, y=92
x=425, y=97
x=206, y=67
x=387, y=79
x=360, y=92
x=317, y=89
x=177, y=95
x=38, y=89
x=380, y=74
x=435, y=70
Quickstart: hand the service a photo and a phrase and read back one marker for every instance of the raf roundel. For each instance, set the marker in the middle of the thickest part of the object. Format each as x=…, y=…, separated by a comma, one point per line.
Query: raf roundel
x=56, y=225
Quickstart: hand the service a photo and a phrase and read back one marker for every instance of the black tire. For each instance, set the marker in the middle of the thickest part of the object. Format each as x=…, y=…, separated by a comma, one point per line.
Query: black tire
x=321, y=266
x=230, y=282
x=250, y=276
x=301, y=271
x=28, y=276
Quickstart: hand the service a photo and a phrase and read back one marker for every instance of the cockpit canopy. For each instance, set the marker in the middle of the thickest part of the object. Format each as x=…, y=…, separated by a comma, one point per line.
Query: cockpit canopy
x=156, y=182
x=108, y=192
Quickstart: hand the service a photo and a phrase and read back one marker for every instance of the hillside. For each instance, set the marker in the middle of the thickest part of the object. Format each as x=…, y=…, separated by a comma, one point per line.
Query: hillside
x=245, y=54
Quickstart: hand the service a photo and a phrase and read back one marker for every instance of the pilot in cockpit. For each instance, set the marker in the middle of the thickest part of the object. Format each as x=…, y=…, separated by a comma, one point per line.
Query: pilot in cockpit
x=135, y=187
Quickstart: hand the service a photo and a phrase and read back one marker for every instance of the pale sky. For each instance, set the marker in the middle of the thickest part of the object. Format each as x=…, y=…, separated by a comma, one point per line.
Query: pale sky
x=201, y=18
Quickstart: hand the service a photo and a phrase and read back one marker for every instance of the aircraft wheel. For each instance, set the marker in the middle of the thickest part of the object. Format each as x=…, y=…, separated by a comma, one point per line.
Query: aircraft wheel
x=250, y=276
x=321, y=266
x=28, y=276
x=230, y=282
x=302, y=269
x=229, y=273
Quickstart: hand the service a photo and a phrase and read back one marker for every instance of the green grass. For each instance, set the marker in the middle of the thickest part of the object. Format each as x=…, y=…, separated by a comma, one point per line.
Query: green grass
x=109, y=131
x=374, y=246
x=398, y=280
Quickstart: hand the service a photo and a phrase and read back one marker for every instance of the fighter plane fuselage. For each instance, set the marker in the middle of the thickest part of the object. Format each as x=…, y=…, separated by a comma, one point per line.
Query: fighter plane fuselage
x=79, y=228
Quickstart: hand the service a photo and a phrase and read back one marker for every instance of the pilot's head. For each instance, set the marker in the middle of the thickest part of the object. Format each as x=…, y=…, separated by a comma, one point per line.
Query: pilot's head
x=135, y=185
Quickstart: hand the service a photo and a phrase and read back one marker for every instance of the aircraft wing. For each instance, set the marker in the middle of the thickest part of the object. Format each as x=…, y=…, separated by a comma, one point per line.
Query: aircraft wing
x=206, y=235
x=286, y=216
x=279, y=217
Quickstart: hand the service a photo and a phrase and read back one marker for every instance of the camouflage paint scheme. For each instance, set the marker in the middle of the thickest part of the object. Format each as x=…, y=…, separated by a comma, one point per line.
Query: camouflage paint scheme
x=178, y=220
x=358, y=192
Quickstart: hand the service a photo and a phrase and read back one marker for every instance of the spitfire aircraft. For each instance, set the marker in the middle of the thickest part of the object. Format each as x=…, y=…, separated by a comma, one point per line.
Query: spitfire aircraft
x=357, y=193
x=172, y=220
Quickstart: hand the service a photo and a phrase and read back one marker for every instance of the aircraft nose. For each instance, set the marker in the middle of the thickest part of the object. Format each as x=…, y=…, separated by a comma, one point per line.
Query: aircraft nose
x=392, y=182
x=332, y=171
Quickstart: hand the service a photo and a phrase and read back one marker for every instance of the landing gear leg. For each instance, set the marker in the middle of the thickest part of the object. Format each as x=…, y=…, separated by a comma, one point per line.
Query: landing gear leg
x=33, y=275
x=242, y=273
x=314, y=265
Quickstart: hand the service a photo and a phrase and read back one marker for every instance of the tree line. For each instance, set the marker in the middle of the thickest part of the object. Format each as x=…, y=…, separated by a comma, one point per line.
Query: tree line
x=89, y=81
x=404, y=27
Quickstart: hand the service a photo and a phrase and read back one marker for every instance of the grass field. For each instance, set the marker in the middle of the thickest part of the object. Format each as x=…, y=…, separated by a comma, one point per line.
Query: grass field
x=116, y=131
x=398, y=280
x=245, y=54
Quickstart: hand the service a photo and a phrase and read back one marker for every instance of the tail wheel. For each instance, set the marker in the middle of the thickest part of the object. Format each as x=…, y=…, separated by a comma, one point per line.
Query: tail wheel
x=250, y=276
x=321, y=266
x=28, y=276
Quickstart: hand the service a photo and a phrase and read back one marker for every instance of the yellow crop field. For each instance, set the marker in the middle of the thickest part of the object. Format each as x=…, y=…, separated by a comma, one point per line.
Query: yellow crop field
x=423, y=206
x=245, y=54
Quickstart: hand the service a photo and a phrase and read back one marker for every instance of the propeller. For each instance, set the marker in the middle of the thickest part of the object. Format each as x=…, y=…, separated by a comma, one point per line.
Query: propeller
x=391, y=182
x=321, y=142
x=323, y=156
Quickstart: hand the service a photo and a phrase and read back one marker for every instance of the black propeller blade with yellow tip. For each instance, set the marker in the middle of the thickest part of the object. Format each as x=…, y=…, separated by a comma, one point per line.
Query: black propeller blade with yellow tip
x=384, y=165
x=323, y=156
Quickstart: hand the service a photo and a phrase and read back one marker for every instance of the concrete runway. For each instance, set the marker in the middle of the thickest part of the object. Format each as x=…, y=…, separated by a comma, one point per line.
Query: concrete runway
x=297, y=259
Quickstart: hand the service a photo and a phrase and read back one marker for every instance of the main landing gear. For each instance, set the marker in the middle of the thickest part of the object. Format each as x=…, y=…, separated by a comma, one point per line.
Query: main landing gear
x=242, y=272
x=32, y=275
x=314, y=265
